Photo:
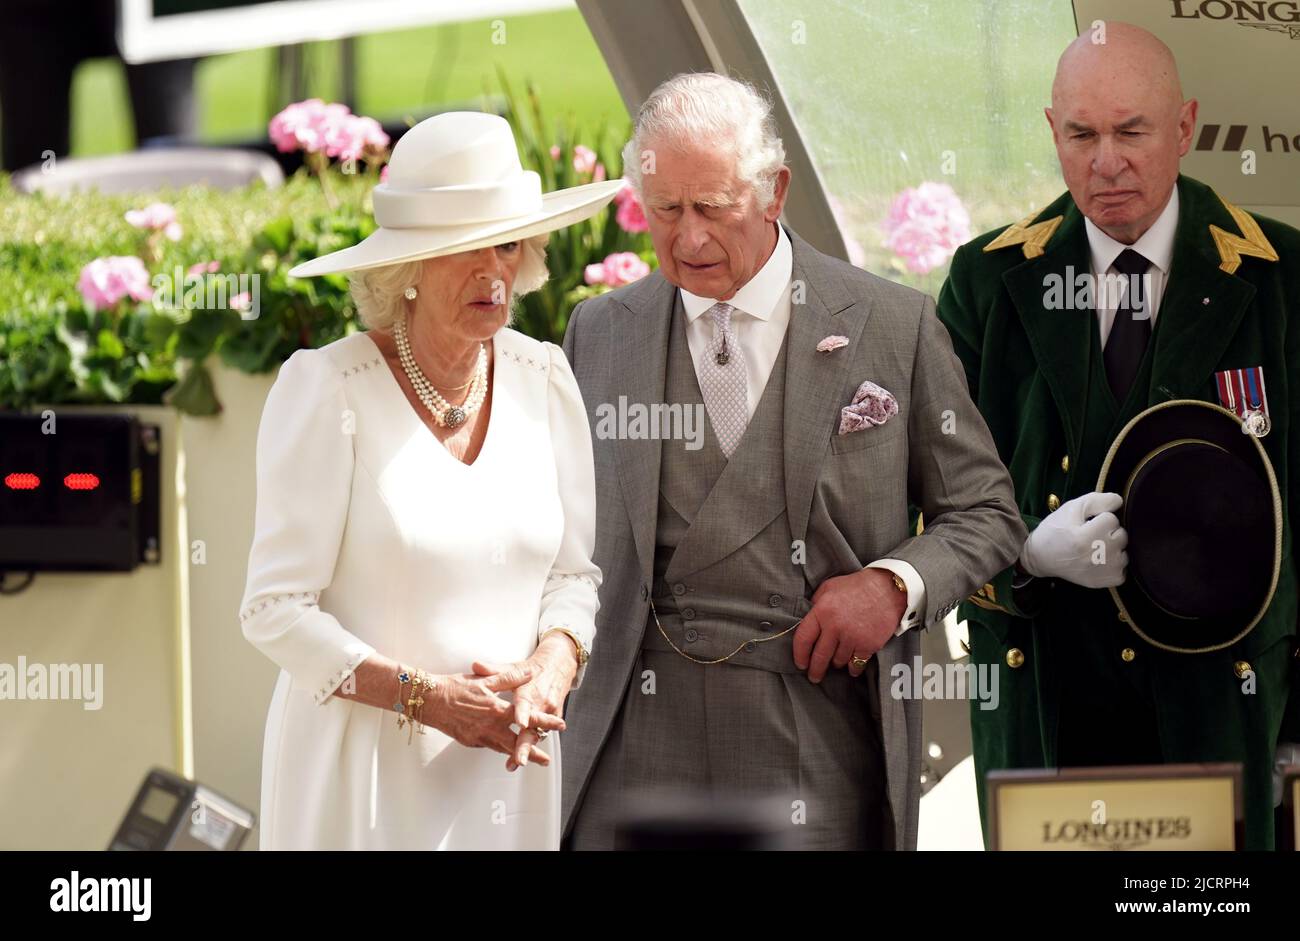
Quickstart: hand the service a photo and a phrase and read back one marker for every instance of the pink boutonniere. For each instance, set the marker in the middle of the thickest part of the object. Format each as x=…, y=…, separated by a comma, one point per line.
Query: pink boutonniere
x=830, y=343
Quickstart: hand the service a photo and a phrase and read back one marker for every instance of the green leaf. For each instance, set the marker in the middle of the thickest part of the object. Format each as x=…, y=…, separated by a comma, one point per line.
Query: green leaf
x=198, y=335
x=251, y=349
x=102, y=386
x=194, y=394
x=276, y=235
x=158, y=330
x=110, y=346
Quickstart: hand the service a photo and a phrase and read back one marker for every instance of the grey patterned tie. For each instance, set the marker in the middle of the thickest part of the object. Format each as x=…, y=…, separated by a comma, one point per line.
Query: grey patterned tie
x=722, y=381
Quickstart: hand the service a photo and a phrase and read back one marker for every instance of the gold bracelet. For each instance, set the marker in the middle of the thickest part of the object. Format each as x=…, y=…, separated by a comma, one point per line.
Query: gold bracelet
x=423, y=682
x=403, y=678
x=583, y=656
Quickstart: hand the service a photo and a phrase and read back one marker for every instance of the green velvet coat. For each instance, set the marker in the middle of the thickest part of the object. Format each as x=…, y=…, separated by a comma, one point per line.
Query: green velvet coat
x=1231, y=300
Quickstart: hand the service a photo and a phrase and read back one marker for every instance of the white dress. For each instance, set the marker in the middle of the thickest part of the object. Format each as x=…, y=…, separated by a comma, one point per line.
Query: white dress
x=371, y=537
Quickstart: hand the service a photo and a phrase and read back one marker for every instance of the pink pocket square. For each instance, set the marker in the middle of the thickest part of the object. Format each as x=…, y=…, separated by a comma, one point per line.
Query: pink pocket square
x=872, y=405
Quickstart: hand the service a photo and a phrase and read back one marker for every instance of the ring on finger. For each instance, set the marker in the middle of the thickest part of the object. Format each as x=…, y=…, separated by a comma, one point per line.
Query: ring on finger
x=859, y=663
x=541, y=733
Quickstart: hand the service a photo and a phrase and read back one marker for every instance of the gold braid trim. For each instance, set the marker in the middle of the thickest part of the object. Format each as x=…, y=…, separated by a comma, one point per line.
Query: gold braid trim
x=1032, y=238
x=1251, y=241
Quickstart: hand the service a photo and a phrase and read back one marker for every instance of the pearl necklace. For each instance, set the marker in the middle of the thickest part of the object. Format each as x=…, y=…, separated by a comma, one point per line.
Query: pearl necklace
x=446, y=414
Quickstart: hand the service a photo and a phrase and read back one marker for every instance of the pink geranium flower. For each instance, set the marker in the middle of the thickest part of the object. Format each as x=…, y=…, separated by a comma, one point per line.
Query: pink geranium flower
x=105, y=281
x=630, y=215
x=298, y=127
x=203, y=267
x=156, y=217
x=353, y=136
x=584, y=160
x=926, y=225
x=617, y=269
x=314, y=126
x=333, y=125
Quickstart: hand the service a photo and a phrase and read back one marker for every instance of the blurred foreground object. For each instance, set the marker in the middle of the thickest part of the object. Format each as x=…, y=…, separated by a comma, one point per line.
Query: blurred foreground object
x=147, y=170
x=674, y=822
x=172, y=813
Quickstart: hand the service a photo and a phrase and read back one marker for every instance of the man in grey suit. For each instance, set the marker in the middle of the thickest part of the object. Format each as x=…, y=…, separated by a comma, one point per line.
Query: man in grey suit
x=742, y=564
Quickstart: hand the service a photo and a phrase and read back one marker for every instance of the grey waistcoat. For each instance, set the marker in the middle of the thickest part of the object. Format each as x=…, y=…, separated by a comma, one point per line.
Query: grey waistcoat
x=758, y=590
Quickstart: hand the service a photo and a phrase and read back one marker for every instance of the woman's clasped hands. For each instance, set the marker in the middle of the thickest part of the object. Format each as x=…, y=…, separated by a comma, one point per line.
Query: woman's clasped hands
x=473, y=712
x=539, y=699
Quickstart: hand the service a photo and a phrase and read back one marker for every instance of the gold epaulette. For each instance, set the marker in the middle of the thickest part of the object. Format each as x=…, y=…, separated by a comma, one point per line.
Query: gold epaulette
x=987, y=599
x=1032, y=238
x=1251, y=241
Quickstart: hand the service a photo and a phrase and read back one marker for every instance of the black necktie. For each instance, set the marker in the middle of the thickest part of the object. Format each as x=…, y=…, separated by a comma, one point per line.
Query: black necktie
x=1131, y=331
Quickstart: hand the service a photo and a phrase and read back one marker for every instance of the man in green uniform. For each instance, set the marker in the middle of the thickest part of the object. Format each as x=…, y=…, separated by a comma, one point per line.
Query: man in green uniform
x=1058, y=371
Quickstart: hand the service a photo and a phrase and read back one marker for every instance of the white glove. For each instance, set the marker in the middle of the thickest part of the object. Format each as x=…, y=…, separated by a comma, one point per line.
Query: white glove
x=1081, y=542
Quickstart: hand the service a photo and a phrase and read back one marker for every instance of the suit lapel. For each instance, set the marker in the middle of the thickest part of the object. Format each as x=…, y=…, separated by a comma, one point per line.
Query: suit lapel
x=1202, y=306
x=816, y=387
x=1059, y=336
x=816, y=384
x=643, y=331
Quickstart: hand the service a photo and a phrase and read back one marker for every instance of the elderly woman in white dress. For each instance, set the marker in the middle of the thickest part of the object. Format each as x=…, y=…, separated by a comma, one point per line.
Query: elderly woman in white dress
x=425, y=523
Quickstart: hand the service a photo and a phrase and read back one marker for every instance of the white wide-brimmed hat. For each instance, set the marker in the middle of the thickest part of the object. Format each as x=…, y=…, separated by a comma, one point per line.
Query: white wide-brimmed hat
x=455, y=184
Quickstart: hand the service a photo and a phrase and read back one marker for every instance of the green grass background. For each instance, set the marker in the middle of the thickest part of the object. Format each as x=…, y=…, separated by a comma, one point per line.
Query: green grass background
x=398, y=74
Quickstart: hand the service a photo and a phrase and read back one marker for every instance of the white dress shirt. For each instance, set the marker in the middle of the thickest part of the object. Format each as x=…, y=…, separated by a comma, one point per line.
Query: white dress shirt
x=1156, y=245
x=761, y=316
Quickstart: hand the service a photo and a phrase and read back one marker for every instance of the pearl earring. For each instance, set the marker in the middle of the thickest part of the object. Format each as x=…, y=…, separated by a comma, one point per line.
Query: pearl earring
x=411, y=293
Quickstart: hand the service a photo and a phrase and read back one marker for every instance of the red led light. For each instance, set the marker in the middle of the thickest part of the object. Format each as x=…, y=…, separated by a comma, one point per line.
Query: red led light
x=22, y=481
x=81, y=481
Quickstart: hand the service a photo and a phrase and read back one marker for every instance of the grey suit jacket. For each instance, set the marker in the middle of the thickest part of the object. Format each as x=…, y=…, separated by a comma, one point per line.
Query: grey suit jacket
x=847, y=496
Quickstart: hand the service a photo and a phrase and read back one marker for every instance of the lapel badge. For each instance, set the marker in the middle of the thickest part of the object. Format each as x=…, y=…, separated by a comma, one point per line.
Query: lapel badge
x=1241, y=391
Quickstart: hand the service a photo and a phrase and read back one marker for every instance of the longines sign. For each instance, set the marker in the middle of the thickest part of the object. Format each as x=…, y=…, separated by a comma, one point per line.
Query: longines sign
x=1279, y=16
x=1241, y=60
x=1160, y=807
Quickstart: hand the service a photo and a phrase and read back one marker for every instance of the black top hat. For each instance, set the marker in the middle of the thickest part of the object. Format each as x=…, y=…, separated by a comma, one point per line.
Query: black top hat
x=1204, y=521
